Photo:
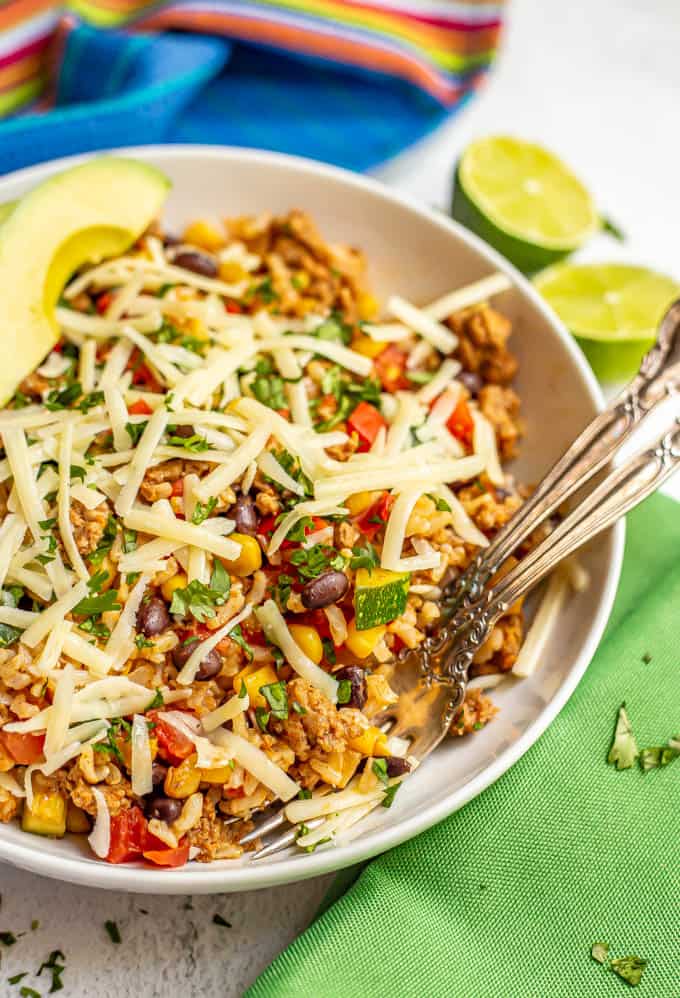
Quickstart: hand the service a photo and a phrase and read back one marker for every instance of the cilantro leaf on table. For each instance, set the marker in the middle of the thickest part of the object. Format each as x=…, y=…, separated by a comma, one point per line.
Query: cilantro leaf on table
x=600, y=952
x=657, y=756
x=624, y=750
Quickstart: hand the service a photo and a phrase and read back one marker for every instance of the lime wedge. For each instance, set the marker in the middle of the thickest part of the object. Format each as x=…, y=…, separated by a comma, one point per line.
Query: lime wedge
x=522, y=200
x=613, y=310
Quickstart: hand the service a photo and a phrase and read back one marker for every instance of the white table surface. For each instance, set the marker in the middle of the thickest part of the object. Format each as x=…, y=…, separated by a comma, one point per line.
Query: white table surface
x=596, y=80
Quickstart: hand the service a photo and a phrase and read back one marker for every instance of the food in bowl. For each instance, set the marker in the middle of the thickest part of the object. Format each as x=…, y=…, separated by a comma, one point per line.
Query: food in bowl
x=230, y=495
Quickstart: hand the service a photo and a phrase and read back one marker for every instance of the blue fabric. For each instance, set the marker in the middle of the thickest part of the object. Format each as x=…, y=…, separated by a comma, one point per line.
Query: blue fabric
x=116, y=89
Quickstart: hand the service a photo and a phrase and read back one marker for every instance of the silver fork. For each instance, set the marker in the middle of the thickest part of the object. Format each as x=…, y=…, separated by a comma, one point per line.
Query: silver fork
x=658, y=377
x=431, y=680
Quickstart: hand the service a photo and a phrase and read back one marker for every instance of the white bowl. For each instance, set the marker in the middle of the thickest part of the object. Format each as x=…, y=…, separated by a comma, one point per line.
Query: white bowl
x=419, y=254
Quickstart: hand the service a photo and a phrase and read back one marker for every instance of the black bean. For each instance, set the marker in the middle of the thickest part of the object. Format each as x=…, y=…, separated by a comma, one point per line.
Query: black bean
x=472, y=382
x=501, y=494
x=396, y=766
x=246, y=516
x=325, y=589
x=356, y=676
x=199, y=263
x=158, y=772
x=152, y=617
x=164, y=809
x=209, y=667
x=183, y=431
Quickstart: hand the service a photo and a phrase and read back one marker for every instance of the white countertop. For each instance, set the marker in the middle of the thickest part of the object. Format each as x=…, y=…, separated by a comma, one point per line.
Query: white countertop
x=597, y=81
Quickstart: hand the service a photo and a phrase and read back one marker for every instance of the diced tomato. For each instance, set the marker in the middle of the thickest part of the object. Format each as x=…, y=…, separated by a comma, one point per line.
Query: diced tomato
x=24, y=748
x=173, y=745
x=140, y=408
x=366, y=422
x=59, y=347
x=390, y=366
x=234, y=792
x=178, y=487
x=316, y=619
x=461, y=424
x=103, y=302
x=375, y=517
x=233, y=308
x=167, y=856
x=128, y=832
x=283, y=413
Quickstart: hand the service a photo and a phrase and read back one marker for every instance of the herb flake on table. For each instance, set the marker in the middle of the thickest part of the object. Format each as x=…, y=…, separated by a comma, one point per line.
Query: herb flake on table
x=219, y=920
x=657, y=756
x=7, y=938
x=56, y=969
x=600, y=952
x=113, y=932
x=630, y=968
x=624, y=750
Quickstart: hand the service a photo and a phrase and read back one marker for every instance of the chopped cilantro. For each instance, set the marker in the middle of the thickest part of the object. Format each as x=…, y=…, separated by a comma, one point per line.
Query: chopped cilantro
x=218, y=920
x=276, y=696
x=269, y=389
x=9, y=635
x=335, y=330
x=380, y=769
x=329, y=651
x=56, y=969
x=94, y=606
x=389, y=795
x=420, y=377
x=262, y=718
x=105, y=542
x=219, y=578
x=129, y=540
x=157, y=701
x=304, y=794
x=311, y=562
x=17, y=978
x=63, y=398
x=282, y=590
x=344, y=691
x=95, y=627
x=243, y=692
x=630, y=968
x=135, y=430
x=299, y=709
x=195, y=443
x=142, y=642
x=624, y=750
x=364, y=557
x=112, y=929
x=77, y=471
x=600, y=952
x=236, y=636
x=440, y=504
x=298, y=532
x=88, y=402
x=203, y=510
x=264, y=291
x=200, y=600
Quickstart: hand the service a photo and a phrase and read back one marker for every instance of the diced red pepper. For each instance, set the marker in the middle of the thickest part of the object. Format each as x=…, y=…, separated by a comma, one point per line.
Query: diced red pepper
x=316, y=619
x=128, y=832
x=233, y=792
x=268, y=526
x=24, y=748
x=233, y=308
x=103, y=302
x=390, y=366
x=173, y=745
x=140, y=408
x=366, y=421
x=178, y=487
x=461, y=424
x=167, y=856
x=375, y=517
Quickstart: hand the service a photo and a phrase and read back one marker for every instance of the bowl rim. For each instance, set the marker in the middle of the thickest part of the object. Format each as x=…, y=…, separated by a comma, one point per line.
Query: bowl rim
x=206, y=878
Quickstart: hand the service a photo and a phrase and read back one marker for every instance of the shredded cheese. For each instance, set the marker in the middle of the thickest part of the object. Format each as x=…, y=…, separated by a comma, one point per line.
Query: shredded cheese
x=420, y=322
x=471, y=294
x=47, y=618
x=189, y=670
x=122, y=639
x=276, y=630
x=226, y=712
x=272, y=469
x=257, y=763
x=484, y=444
x=172, y=529
x=227, y=473
x=64, y=503
x=60, y=715
x=100, y=836
x=141, y=760
x=143, y=452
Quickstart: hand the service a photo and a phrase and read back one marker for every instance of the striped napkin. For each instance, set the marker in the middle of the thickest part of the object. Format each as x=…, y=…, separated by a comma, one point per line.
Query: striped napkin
x=240, y=72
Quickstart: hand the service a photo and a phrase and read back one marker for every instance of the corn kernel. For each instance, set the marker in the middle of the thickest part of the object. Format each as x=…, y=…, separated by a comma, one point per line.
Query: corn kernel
x=204, y=234
x=250, y=558
x=372, y=741
x=361, y=501
x=178, y=581
x=231, y=272
x=308, y=640
x=183, y=780
x=218, y=775
x=77, y=820
x=367, y=306
x=362, y=643
x=254, y=678
x=368, y=347
x=301, y=280
x=47, y=816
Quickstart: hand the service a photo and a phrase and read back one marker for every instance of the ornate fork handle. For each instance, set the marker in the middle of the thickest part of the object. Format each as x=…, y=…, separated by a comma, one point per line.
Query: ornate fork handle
x=658, y=376
x=448, y=659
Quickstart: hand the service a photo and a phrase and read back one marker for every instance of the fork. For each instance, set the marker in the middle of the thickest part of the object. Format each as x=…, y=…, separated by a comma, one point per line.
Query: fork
x=657, y=379
x=431, y=680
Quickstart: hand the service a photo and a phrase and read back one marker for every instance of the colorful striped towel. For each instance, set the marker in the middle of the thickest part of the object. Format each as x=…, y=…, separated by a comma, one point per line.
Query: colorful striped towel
x=388, y=69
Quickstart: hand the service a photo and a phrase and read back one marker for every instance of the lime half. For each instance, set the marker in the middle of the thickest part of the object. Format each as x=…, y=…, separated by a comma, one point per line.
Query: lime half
x=613, y=310
x=522, y=200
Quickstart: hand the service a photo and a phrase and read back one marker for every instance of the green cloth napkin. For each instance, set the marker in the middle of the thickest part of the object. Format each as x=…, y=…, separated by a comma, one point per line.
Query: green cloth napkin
x=505, y=898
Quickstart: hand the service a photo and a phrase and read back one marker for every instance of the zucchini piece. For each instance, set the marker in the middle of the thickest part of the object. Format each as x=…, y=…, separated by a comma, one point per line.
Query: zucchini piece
x=379, y=596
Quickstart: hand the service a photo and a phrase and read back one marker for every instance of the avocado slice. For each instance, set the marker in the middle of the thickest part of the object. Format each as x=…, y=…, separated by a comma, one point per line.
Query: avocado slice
x=6, y=210
x=83, y=215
